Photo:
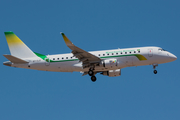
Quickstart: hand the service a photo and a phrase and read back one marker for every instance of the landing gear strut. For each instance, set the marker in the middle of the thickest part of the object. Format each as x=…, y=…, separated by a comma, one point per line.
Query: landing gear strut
x=90, y=72
x=154, y=67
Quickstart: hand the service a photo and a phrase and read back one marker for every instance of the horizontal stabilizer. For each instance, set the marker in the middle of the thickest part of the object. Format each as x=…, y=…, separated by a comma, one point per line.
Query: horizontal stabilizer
x=14, y=59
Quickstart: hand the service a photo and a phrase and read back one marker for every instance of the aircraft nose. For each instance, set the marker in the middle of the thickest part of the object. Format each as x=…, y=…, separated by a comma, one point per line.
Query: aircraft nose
x=173, y=57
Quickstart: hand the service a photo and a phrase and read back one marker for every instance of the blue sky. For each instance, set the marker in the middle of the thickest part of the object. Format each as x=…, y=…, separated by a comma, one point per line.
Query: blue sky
x=137, y=94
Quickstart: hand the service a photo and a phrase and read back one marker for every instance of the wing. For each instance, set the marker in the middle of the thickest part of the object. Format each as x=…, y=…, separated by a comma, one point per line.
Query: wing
x=87, y=58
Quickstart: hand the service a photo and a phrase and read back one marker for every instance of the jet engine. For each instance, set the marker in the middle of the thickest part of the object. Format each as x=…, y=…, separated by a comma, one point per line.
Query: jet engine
x=112, y=73
x=109, y=63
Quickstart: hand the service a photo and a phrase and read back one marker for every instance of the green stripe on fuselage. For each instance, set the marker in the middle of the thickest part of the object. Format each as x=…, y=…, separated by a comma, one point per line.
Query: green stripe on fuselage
x=64, y=60
x=140, y=57
x=44, y=58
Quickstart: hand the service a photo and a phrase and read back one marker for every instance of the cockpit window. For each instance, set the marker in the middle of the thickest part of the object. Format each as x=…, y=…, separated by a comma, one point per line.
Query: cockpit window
x=160, y=49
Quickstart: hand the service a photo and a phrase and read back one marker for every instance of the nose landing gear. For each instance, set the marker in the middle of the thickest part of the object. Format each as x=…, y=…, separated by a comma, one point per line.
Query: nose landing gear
x=93, y=78
x=154, y=67
x=155, y=71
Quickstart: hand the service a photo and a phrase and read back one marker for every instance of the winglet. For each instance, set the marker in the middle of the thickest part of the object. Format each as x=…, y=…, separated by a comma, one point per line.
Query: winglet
x=67, y=41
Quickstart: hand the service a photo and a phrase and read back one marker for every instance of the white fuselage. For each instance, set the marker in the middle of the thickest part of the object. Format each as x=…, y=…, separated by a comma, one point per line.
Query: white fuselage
x=125, y=57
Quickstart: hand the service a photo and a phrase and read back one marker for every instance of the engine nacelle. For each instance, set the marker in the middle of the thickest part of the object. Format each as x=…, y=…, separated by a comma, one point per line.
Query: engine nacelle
x=109, y=63
x=112, y=73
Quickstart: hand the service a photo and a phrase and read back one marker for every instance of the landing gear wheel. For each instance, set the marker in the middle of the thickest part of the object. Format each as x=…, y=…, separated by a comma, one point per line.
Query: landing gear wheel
x=91, y=73
x=155, y=71
x=93, y=78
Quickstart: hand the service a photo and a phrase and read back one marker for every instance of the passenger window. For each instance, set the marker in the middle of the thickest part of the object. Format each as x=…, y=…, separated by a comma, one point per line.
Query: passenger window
x=130, y=52
x=125, y=52
x=103, y=54
x=53, y=58
x=62, y=58
x=116, y=53
x=121, y=53
x=134, y=51
x=71, y=57
x=66, y=57
x=138, y=51
x=107, y=54
x=112, y=53
x=99, y=55
x=58, y=58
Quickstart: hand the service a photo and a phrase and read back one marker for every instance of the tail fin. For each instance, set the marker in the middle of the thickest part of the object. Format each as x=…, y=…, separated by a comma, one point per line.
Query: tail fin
x=17, y=47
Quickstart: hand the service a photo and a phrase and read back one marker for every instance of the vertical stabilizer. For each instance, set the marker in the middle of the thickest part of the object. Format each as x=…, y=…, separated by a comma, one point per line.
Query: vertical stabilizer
x=17, y=47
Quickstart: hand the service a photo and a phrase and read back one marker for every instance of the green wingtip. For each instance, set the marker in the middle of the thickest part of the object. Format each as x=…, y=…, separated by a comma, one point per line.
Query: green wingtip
x=8, y=32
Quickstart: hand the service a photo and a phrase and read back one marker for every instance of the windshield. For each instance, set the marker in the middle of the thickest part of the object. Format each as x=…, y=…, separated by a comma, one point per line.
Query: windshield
x=160, y=49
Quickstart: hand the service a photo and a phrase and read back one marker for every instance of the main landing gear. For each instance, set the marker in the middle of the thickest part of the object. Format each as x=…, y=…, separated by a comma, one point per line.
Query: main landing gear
x=91, y=73
x=154, y=67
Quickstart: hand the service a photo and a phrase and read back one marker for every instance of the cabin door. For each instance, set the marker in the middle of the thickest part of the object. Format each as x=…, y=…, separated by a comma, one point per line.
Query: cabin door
x=150, y=52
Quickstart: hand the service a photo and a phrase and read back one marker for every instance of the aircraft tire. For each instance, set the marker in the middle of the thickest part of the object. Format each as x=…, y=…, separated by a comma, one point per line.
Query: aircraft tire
x=155, y=71
x=91, y=73
x=93, y=78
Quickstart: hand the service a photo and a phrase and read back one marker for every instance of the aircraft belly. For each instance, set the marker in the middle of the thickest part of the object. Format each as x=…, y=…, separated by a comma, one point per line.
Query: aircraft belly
x=56, y=66
x=61, y=66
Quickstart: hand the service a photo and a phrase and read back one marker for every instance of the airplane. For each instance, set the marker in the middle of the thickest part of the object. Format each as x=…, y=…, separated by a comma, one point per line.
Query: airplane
x=105, y=62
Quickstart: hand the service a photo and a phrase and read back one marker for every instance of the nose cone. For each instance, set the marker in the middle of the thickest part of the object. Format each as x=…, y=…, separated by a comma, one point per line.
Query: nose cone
x=172, y=57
